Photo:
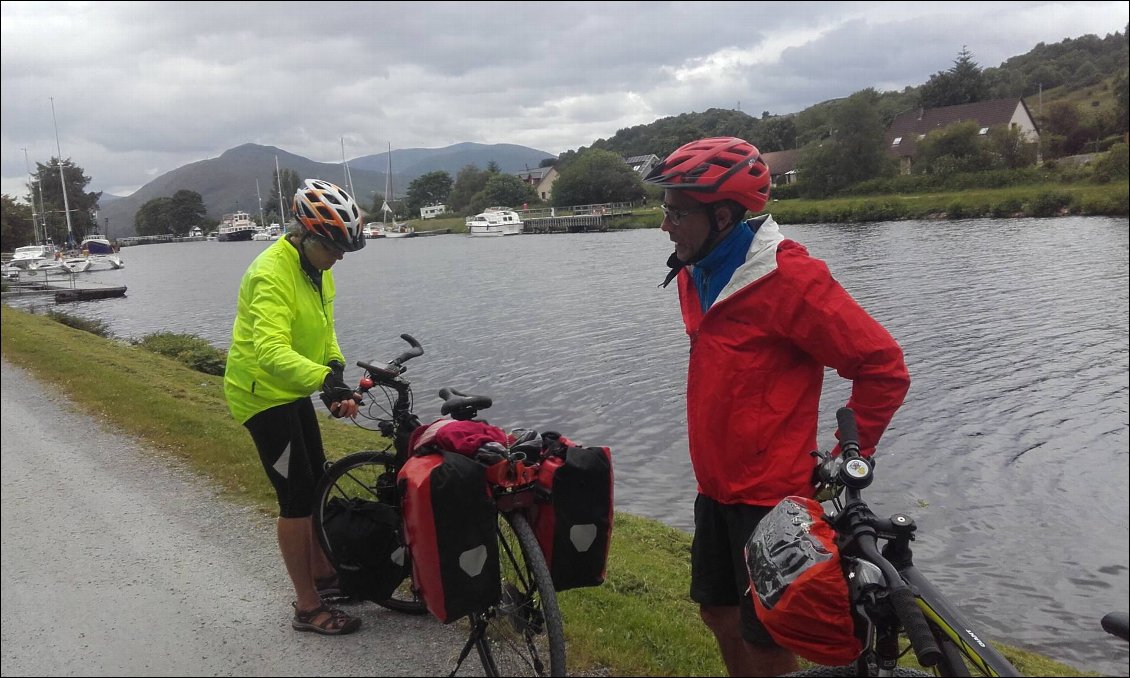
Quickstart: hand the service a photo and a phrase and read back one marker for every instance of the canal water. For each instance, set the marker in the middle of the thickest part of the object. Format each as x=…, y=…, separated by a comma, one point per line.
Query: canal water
x=1010, y=451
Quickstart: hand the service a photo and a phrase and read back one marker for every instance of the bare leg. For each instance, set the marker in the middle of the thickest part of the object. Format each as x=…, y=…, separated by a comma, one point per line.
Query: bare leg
x=294, y=543
x=320, y=565
x=741, y=657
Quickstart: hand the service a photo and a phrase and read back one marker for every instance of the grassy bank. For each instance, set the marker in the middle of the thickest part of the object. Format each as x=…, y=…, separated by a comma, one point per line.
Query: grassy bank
x=639, y=623
x=1035, y=200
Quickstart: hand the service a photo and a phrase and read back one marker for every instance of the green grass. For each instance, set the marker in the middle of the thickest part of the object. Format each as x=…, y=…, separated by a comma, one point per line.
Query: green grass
x=640, y=622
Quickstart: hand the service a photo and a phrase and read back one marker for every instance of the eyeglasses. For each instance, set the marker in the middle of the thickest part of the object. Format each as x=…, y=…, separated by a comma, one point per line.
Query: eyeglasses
x=328, y=247
x=675, y=215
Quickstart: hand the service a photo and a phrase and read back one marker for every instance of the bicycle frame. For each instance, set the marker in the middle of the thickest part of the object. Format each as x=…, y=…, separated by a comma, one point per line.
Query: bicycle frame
x=889, y=594
x=523, y=631
x=954, y=634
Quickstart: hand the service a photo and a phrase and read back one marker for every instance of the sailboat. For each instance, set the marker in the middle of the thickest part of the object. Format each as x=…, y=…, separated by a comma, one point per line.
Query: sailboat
x=390, y=227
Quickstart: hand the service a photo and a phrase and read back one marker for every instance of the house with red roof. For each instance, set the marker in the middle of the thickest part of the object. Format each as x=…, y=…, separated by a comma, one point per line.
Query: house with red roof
x=907, y=129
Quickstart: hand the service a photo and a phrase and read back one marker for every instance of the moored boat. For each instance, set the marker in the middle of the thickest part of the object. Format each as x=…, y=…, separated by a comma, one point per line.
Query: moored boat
x=29, y=256
x=96, y=244
x=495, y=221
x=235, y=227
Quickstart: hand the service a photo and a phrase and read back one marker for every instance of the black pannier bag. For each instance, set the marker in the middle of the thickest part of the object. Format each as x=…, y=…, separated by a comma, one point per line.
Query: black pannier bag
x=574, y=526
x=364, y=538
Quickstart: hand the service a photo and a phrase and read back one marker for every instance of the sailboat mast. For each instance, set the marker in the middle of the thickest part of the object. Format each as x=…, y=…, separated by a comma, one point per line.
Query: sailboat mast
x=62, y=179
x=282, y=206
x=32, y=183
x=388, y=188
x=262, y=219
x=348, y=177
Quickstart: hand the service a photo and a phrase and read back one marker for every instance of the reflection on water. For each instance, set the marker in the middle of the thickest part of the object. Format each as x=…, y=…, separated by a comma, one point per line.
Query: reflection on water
x=1010, y=452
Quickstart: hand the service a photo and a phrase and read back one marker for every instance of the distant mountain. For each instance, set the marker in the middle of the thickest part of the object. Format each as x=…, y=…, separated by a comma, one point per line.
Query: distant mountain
x=415, y=162
x=227, y=183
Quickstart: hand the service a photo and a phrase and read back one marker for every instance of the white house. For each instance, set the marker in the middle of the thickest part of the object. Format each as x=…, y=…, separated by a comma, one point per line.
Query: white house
x=432, y=211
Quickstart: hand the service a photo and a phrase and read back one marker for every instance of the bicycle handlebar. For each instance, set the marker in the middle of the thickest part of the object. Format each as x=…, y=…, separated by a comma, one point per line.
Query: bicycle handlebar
x=856, y=523
x=390, y=375
x=1117, y=624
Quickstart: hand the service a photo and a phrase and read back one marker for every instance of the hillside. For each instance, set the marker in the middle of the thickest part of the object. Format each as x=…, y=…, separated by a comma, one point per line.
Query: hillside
x=1087, y=72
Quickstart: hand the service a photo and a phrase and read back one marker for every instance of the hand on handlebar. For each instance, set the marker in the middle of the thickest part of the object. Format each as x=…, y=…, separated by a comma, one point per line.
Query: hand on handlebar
x=340, y=399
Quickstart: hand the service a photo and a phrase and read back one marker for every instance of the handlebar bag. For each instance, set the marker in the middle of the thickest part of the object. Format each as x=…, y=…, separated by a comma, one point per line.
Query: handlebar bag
x=574, y=526
x=799, y=590
x=364, y=538
x=450, y=528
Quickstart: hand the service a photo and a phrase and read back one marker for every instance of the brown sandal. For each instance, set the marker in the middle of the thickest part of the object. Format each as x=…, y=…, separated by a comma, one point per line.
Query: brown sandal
x=326, y=621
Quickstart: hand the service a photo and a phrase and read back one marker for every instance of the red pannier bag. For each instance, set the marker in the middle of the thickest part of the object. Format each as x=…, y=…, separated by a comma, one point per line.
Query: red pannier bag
x=450, y=527
x=799, y=589
x=574, y=525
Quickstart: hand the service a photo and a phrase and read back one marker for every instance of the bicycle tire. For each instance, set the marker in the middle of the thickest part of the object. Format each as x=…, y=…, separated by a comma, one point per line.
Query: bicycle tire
x=525, y=627
x=356, y=475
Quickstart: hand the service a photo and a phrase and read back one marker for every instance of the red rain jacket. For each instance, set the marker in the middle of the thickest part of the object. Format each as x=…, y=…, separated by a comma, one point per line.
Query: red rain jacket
x=756, y=370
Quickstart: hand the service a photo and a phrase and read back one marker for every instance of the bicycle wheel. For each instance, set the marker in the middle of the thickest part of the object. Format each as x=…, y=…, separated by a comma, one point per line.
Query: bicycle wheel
x=368, y=475
x=523, y=634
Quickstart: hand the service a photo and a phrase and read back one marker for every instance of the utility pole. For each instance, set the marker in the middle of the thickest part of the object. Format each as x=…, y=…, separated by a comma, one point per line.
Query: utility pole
x=1040, y=119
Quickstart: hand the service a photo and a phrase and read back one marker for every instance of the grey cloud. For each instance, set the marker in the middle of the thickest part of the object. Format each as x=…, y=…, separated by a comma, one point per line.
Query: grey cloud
x=143, y=88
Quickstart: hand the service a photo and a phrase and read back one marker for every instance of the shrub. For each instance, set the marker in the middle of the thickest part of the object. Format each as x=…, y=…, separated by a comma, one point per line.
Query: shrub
x=1006, y=208
x=1048, y=204
x=1113, y=165
x=189, y=349
x=92, y=325
x=956, y=211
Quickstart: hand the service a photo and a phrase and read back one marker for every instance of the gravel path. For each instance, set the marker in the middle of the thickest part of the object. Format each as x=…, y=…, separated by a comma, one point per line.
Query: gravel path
x=115, y=563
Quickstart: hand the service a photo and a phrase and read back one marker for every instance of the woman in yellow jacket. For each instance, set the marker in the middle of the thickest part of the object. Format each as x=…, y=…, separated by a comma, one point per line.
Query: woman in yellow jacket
x=284, y=348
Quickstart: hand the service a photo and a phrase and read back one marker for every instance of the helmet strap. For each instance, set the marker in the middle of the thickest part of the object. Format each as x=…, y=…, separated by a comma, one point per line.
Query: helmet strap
x=708, y=245
x=676, y=265
x=312, y=272
x=711, y=239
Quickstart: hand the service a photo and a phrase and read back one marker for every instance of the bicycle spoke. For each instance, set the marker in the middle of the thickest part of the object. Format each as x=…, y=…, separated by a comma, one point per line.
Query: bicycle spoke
x=524, y=635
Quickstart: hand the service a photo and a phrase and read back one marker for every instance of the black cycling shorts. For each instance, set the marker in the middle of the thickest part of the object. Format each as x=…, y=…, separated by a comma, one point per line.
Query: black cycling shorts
x=290, y=447
x=718, y=571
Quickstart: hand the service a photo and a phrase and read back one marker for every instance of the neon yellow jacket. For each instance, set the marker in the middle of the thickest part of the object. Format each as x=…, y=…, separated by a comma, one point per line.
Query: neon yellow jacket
x=283, y=336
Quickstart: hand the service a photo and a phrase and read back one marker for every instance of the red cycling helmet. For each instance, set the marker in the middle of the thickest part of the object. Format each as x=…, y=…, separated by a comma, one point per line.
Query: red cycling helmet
x=719, y=168
x=329, y=213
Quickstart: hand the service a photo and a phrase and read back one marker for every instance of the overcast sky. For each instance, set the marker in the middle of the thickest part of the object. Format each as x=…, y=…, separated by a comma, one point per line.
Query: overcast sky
x=142, y=88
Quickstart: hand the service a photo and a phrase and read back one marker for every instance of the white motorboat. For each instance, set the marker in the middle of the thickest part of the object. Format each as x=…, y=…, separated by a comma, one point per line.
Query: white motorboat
x=30, y=256
x=495, y=221
x=270, y=233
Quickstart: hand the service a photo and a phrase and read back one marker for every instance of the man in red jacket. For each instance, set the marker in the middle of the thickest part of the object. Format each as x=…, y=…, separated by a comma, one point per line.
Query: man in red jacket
x=764, y=320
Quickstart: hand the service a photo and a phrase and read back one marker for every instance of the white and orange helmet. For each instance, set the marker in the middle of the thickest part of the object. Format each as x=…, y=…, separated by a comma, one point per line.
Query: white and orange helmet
x=328, y=212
